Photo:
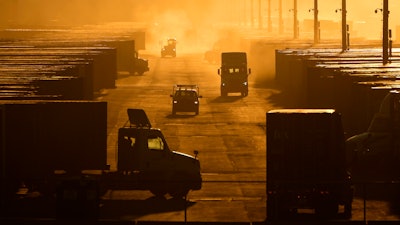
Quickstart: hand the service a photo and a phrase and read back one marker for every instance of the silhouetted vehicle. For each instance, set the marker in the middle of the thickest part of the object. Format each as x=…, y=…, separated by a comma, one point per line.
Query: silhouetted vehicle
x=46, y=142
x=146, y=162
x=50, y=154
x=140, y=66
x=306, y=165
x=375, y=153
x=185, y=98
x=169, y=49
x=234, y=73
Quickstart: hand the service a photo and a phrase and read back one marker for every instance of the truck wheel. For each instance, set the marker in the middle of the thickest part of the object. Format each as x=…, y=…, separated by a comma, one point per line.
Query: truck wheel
x=327, y=210
x=140, y=72
x=347, y=211
x=179, y=193
x=158, y=192
x=223, y=93
x=276, y=211
x=178, y=188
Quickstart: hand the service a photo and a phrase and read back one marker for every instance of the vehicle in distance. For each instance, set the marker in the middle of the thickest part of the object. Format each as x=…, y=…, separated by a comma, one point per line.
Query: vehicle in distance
x=140, y=65
x=306, y=165
x=234, y=73
x=169, y=49
x=185, y=98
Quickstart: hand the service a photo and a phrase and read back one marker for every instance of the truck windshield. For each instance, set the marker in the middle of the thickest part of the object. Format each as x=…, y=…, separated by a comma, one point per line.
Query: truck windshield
x=155, y=143
x=234, y=70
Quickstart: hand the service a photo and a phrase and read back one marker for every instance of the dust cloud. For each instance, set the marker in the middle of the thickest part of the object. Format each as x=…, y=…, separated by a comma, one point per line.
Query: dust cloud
x=197, y=24
x=203, y=25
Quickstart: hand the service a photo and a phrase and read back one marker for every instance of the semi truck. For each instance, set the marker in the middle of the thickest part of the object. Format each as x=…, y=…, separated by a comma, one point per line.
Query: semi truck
x=307, y=174
x=140, y=65
x=374, y=155
x=234, y=73
x=145, y=157
x=50, y=146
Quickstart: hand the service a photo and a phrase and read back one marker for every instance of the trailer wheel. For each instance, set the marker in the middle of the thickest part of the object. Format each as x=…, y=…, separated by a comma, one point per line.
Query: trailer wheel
x=277, y=211
x=327, y=210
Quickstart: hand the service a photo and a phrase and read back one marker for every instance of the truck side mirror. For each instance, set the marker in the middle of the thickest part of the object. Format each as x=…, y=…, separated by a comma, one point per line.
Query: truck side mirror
x=219, y=72
x=249, y=71
x=196, y=152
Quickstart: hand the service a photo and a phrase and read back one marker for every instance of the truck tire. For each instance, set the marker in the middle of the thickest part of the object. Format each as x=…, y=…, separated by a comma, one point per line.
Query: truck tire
x=224, y=93
x=327, y=210
x=276, y=210
x=180, y=192
x=140, y=72
x=158, y=192
x=178, y=186
x=347, y=210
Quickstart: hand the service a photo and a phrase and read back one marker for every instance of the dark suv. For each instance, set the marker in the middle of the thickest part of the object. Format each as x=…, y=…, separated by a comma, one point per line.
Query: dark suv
x=185, y=98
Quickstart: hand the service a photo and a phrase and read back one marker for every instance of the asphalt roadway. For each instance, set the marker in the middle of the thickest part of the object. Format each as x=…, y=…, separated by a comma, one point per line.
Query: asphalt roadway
x=229, y=133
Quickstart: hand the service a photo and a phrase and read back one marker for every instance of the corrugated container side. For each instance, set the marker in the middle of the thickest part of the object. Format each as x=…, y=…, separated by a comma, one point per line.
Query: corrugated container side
x=39, y=137
x=305, y=147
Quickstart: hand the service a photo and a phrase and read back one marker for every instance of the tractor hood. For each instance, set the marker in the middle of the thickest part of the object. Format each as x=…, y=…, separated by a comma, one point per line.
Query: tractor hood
x=186, y=162
x=183, y=155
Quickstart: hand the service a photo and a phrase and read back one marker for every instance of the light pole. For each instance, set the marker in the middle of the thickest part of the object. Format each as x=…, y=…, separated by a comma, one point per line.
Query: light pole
x=345, y=34
x=260, y=22
x=269, y=16
x=385, y=45
x=316, y=23
x=280, y=18
x=295, y=21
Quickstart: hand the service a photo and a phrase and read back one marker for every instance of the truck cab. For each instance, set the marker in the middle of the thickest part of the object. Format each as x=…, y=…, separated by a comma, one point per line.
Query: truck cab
x=169, y=49
x=140, y=65
x=374, y=154
x=144, y=155
x=234, y=73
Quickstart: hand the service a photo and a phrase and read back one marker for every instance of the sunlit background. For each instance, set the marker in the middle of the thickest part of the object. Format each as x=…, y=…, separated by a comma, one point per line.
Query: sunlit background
x=199, y=22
